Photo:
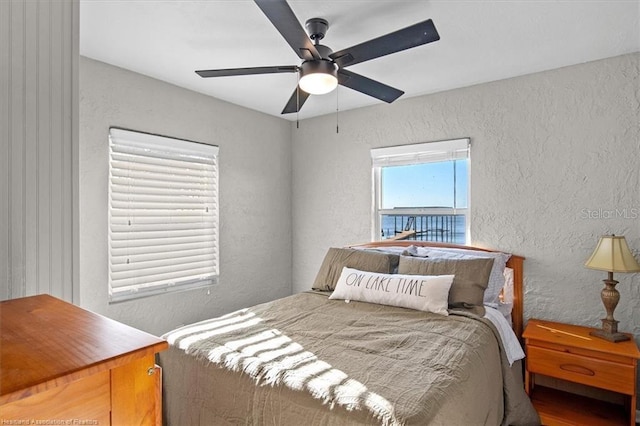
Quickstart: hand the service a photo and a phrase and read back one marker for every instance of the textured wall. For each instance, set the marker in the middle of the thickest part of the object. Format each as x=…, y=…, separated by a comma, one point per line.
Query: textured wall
x=38, y=136
x=255, y=193
x=555, y=162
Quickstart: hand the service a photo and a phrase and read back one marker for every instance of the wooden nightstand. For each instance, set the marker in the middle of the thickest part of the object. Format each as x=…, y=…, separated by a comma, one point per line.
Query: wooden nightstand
x=568, y=352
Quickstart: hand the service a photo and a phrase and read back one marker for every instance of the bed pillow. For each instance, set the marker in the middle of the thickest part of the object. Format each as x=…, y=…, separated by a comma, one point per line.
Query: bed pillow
x=364, y=260
x=507, y=295
x=496, y=279
x=396, y=250
x=469, y=284
x=423, y=293
x=506, y=301
x=385, y=249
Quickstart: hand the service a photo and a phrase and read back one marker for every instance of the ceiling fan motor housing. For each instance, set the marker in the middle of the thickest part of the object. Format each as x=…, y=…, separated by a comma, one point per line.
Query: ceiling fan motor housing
x=324, y=51
x=318, y=66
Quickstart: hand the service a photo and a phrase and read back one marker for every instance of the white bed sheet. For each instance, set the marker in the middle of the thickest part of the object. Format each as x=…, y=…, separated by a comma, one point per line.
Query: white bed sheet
x=510, y=341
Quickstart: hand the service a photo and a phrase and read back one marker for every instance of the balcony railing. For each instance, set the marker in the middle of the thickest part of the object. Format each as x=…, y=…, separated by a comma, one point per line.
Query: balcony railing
x=440, y=227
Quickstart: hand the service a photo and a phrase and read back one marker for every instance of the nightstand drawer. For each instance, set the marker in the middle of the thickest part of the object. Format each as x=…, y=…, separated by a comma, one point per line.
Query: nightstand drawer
x=576, y=368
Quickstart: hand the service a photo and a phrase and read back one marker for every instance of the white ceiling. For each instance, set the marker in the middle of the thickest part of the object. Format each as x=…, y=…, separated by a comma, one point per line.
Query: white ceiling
x=480, y=41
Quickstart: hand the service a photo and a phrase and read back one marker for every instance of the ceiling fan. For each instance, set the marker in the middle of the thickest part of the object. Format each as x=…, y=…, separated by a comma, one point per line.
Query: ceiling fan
x=322, y=69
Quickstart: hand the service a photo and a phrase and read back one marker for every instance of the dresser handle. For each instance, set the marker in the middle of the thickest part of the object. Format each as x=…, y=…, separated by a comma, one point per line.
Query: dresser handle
x=151, y=371
x=577, y=369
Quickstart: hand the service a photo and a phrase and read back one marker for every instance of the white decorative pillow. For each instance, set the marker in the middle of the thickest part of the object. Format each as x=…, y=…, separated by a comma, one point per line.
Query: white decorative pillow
x=496, y=279
x=429, y=293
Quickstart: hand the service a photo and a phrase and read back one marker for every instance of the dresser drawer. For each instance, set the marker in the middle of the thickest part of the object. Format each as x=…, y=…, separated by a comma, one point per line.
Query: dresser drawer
x=87, y=400
x=580, y=369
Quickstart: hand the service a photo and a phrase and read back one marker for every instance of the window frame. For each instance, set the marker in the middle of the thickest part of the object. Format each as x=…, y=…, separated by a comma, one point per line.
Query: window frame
x=197, y=209
x=420, y=153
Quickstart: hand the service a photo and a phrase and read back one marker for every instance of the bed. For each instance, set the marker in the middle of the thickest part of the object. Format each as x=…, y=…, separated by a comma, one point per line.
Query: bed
x=323, y=358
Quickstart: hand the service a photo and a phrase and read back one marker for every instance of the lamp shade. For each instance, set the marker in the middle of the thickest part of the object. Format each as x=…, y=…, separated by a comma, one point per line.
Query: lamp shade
x=318, y=77
x=613, y=255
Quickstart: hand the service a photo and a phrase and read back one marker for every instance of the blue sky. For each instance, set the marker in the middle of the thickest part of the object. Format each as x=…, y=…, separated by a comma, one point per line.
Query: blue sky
x=424, y=185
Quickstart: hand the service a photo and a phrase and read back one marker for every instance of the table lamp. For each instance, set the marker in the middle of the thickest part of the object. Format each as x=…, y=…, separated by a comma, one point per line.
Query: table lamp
x=612, y=255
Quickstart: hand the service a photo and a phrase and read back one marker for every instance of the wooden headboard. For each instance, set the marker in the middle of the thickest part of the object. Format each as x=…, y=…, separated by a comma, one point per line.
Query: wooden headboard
x=515, y=263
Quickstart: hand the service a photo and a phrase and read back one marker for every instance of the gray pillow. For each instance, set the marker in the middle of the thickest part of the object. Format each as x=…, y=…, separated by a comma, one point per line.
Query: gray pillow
x=363, y=260
x=471, y=278
x=496, y=279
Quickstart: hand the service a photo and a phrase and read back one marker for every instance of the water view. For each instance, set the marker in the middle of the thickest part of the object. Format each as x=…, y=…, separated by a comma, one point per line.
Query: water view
x=448, y=228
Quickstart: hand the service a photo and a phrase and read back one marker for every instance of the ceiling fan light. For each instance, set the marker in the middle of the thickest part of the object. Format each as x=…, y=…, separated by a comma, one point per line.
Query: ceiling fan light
x=318, y=83
x=318, y=77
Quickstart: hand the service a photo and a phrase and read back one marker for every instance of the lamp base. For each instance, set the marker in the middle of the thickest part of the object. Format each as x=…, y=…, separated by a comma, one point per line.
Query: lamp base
x=610, y=297
x=612, y=337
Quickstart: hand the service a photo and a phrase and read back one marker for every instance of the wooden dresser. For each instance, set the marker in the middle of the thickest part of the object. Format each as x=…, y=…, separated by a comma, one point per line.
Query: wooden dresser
x=64, y=365
x=567, y=352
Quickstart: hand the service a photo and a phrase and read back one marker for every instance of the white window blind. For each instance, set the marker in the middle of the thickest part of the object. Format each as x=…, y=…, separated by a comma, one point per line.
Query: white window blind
x=163, y=214
x=430, y=152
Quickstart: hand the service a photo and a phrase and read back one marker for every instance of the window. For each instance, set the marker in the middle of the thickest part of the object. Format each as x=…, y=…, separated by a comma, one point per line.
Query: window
x=163, y=214
x=422, y=191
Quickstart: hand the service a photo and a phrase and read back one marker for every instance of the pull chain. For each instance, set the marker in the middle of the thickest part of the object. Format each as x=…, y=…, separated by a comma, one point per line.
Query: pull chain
x=337, y=108
x=298, y=101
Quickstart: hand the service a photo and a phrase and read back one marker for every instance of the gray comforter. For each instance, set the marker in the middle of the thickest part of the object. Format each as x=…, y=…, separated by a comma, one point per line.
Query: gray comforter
x=305, y=359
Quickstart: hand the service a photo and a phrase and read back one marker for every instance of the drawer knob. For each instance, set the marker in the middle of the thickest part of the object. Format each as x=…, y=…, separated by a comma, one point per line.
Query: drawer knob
x=151, y=371
x=577, y=369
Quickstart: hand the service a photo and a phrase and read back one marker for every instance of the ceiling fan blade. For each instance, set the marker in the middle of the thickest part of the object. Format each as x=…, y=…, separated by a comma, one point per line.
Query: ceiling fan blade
x=406, y=38
x=246, y=71
x=296, y=101
x=368, y=87
x=285, y=21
